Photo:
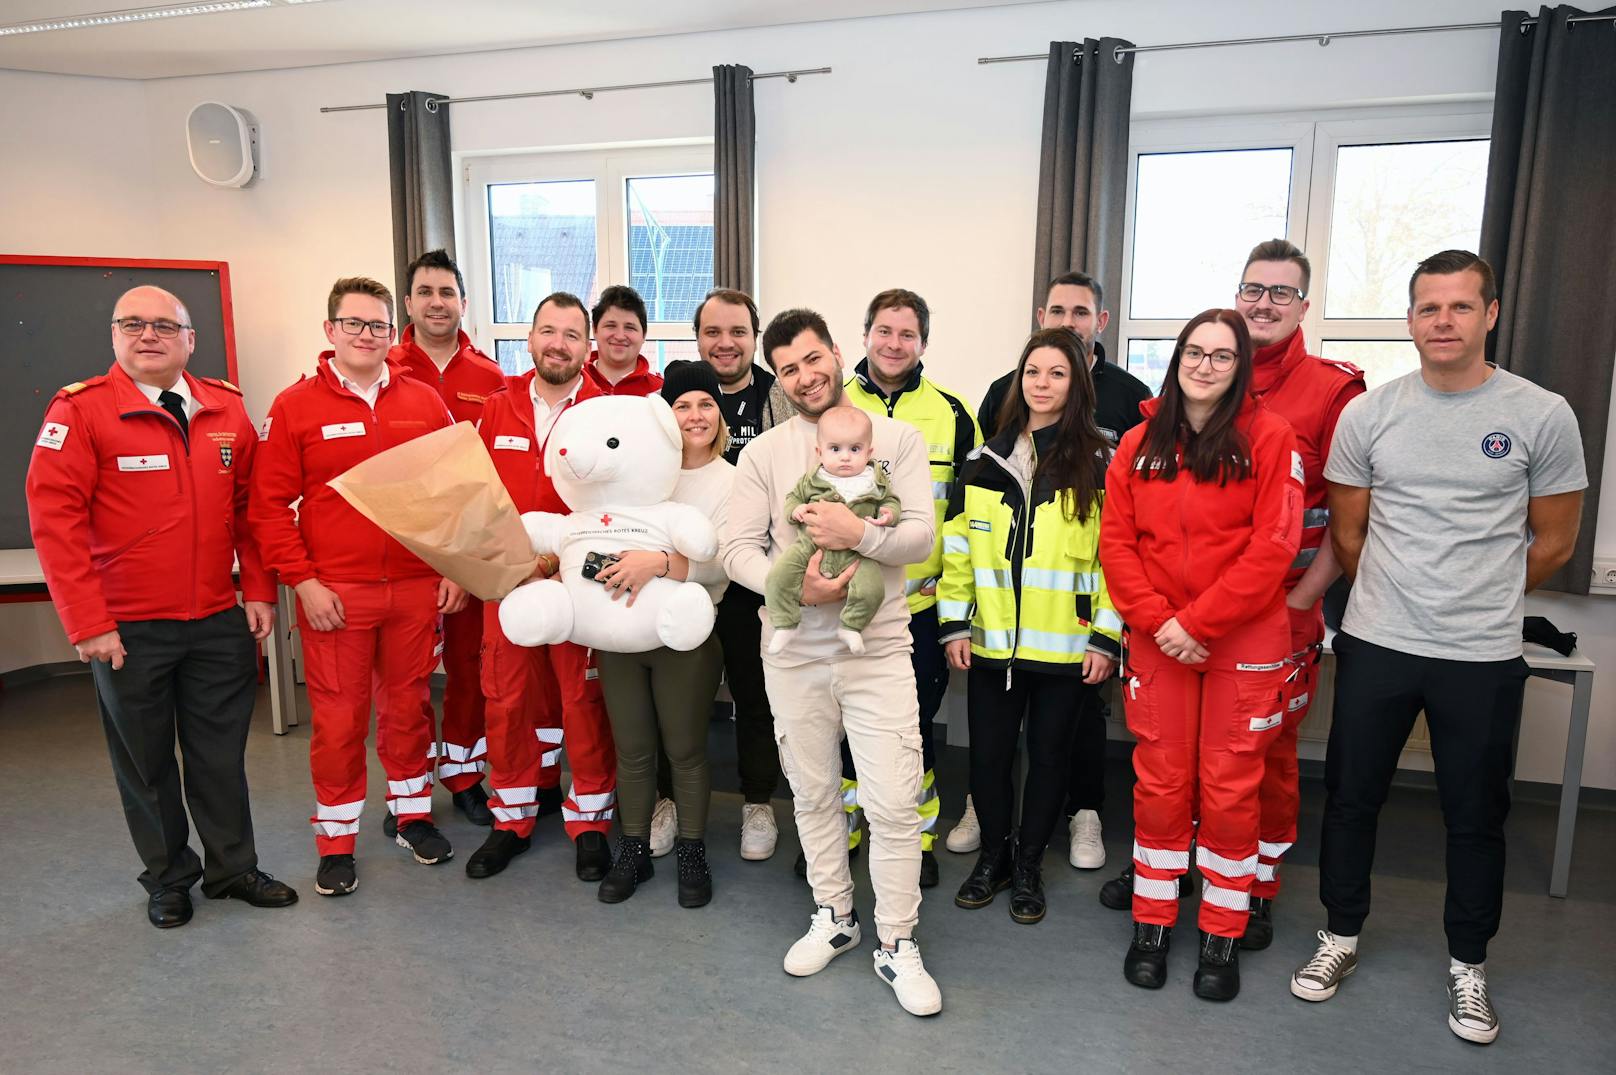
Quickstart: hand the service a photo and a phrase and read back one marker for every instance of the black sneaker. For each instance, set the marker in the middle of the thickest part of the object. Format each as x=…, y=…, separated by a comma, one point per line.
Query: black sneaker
x=549, y=801
x=496, y=853
x=1259, y=926
x=631, y=867
x=1146, y=962
x=928, y=869
x=425, y=842
x=1218, y=977
x=336, y=876
x=1117, y=893
x=695, y=877
x=473, y=802
x=594, y=856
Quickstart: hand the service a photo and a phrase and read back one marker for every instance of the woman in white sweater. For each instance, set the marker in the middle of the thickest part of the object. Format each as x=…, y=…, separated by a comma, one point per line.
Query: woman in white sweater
x=664, y=694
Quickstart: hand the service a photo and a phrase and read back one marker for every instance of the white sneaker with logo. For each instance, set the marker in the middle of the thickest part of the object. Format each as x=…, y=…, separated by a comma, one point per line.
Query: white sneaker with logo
x=827, y=938
x=1088, y=842
x=902, y=969
x=664, y=827
x=1470, y=1012
x=966, y=836
x=759, y=833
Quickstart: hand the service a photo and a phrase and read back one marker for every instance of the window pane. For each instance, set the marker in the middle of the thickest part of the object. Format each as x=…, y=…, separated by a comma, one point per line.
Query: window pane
x=660, y=352
x=1381, y=360
x=1195, y=217
x=670, y=243
x=1148, y=359
x=1394, y=206
x=512, y=356
x=542, y=239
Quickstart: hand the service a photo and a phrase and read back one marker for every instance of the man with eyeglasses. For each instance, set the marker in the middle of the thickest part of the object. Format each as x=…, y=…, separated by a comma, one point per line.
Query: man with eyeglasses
x=435, y=351
x=1310, y=393
x=137, y=500
x=368, y=609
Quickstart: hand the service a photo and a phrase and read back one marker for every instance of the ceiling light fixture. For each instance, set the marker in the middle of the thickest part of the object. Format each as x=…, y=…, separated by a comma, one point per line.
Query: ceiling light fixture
x=115, y=18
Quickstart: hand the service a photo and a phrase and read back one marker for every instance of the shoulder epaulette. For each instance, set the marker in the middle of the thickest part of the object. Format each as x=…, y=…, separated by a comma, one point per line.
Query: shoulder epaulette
x=222, y=383
x=78, y=386
x=1345, y=367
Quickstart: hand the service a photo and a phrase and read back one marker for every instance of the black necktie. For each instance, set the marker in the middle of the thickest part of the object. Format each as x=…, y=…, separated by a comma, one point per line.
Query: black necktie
x=174, y=404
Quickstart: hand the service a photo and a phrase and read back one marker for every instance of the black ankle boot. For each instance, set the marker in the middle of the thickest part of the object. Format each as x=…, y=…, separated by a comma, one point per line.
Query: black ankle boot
x=1218, y=977
x=991, y=873
x=695, y=878
x=631, y=866
x=1259, y=926
x=1146, y=962
x=1027, y=903
x=1117, y=893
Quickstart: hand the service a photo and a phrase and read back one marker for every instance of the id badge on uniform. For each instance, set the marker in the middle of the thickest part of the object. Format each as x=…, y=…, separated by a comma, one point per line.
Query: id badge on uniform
x=339, y=430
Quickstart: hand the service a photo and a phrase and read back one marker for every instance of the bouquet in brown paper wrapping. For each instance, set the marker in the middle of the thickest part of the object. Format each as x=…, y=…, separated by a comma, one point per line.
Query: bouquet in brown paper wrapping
x=441, y=498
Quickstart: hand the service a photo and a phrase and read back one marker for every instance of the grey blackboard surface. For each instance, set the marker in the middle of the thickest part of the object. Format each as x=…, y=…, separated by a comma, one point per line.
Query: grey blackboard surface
x=55, y=328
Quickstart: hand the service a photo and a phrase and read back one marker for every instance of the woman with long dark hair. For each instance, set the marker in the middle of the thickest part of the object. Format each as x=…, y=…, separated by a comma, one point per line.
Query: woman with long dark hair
x=1203, y=516
x=1023, y=608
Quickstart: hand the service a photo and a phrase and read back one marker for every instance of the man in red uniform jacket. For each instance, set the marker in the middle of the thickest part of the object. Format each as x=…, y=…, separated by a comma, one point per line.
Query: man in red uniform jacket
x=616, y=367
x=524, y=749
x=435, y=351
x=1309, y=392
x=137, y=499
x=367, y=607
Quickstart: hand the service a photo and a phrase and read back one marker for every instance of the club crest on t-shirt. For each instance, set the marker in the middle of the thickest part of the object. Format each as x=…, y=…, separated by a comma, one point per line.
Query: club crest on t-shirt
x=1495, y=445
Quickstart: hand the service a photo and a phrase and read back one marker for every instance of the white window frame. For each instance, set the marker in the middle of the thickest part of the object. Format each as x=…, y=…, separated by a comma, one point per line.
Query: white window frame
x=1313, y=139
x=611, y=167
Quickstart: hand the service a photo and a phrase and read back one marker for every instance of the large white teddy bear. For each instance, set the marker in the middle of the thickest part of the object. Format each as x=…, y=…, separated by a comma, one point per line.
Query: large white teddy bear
x=615, y=461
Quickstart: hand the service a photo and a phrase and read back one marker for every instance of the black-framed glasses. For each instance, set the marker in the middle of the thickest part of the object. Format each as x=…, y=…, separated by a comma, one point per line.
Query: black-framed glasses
x=1222, y=361
x=134, y=326
x=353, y=326
x=1281, y=294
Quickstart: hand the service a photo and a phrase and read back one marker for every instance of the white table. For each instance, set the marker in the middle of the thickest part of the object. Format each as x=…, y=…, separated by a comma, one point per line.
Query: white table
x=1578, y=671
x=20, y=574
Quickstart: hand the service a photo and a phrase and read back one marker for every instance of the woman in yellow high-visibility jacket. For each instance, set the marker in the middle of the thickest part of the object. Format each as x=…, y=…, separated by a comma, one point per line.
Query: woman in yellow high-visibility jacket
x=1023, y=607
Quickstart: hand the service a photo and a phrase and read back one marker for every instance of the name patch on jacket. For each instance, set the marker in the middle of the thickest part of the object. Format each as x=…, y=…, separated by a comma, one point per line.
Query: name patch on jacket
x=515, y=444
x=471, y=397
x=342, y=429
x=1271, y=666
x=982, y=524
x=1296, y=469
x=53, y=435
x=143, y=462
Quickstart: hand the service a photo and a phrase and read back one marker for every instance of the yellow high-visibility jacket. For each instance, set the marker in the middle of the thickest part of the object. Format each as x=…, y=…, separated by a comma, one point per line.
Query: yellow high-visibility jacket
x=1020, y=579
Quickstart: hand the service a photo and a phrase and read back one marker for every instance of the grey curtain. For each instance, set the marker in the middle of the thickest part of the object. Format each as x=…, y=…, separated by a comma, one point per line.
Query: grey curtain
x=1083, y=177
x=1549, y=228
x=423, y=182
x=734, y=178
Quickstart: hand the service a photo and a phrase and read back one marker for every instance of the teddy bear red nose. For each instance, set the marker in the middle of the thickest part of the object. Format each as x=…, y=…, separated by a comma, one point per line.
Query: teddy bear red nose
x=563, y=451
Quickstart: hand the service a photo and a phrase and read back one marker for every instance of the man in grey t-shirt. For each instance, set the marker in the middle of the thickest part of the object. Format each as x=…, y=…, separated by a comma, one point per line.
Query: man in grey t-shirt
x=1453, y=491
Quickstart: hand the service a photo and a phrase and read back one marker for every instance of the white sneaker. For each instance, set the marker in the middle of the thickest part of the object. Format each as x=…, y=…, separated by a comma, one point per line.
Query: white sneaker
x=758, y=831
x=917, y=991
x=1088, y=845
x=966, y=836
x=664, y=827
x=1470, y=1012
x=827, y=938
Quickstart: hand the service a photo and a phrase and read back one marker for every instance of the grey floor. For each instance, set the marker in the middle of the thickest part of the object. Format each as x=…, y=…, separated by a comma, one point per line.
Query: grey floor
x=423, y=969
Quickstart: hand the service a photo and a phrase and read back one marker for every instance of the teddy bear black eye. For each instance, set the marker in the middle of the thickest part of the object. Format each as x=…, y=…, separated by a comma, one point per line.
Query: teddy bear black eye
x=611, y=442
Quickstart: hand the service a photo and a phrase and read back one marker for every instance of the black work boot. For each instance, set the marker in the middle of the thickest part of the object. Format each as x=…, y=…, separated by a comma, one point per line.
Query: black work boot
x=1146, y=962
x=1027, y=902
x=1218, y=977
x=695, y=877
x=1117, y=893
x=991, y=873
x=1260, y=926
x=631, y=866
x=594, y=855
x=473, y=803
x=928, y=869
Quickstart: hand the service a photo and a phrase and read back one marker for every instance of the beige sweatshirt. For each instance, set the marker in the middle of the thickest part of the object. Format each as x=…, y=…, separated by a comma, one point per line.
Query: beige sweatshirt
x=757, y=529
x=707, y=489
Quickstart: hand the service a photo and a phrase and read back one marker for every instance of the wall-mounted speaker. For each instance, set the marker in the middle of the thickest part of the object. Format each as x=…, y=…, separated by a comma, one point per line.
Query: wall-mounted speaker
x=224, y=144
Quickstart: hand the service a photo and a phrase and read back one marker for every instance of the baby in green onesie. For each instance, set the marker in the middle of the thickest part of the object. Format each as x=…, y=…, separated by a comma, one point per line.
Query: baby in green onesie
x=844, y=475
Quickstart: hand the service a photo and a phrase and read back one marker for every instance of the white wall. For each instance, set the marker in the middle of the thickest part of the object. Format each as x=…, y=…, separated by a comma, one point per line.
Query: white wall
x=910, y=165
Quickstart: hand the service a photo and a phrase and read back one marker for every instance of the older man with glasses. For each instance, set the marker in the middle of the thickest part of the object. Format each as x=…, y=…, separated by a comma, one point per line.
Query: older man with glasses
x=137, y=496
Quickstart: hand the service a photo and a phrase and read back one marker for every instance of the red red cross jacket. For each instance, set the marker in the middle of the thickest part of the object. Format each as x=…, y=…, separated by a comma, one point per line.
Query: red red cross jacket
x=128, y=523
x=639, y=382
x=1309, y=393
x=317, y=429
x=518, y=453
x=1212, y=555
x=464, y=384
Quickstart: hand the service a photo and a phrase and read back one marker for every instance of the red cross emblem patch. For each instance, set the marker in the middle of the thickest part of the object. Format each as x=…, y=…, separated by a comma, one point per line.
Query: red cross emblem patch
x=605, y=520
